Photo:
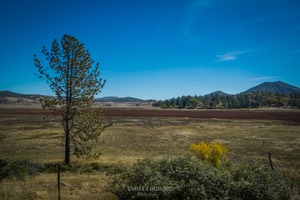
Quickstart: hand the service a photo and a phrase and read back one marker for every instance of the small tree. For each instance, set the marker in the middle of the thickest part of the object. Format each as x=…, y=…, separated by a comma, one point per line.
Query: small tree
x=75, y=80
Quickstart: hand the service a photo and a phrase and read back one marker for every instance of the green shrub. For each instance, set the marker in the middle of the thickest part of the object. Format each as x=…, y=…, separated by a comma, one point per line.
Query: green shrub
x=82, y=167
x=192, y=178
x=255, y=182
x=173, y=178
x=18, y=168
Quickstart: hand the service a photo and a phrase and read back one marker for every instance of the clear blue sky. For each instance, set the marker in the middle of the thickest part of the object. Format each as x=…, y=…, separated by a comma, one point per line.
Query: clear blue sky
x=157, y=48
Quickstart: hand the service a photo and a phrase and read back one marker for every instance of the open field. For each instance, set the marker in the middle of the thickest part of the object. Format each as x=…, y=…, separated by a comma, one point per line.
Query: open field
x=140, y=133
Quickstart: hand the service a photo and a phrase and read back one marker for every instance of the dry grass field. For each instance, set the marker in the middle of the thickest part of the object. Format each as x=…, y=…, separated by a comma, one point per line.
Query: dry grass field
x=27, y=135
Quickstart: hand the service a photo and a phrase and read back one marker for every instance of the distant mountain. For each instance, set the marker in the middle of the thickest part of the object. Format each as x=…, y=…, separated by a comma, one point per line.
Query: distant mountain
x=274, y=87
x=118, y=99
x=6, y=93
x=219, y=93
x=9, y=94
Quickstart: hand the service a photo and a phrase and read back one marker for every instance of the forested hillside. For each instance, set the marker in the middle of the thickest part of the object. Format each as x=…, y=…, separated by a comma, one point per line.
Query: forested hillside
x=243, y=100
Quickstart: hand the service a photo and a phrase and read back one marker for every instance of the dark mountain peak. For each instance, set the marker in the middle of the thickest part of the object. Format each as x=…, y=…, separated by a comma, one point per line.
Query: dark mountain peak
x=218, y=92
x=274, y=87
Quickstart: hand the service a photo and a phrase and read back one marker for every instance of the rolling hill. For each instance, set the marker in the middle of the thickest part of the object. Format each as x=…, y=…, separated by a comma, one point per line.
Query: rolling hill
x=118, y=99
x=8, y=97
x=274, y=87
x=6, y=93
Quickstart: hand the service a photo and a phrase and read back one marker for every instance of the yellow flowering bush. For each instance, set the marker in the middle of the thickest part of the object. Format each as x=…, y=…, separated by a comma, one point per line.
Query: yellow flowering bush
x=212, y=152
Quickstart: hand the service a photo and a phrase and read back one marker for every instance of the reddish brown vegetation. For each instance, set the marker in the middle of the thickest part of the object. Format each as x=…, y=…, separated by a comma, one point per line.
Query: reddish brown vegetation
x=226, y=114
x=285, y=115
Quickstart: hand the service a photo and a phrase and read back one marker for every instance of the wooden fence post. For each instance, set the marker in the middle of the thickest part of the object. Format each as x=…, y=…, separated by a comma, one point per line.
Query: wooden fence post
x=58, y=181
x=270, y=161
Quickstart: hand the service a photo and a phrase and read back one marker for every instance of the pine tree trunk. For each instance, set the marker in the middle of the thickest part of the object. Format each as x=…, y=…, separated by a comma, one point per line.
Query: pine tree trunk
x=67, y=116
x=67, y=145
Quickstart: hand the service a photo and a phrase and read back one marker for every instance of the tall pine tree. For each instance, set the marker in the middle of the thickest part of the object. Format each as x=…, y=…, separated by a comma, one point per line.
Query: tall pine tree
x=75, y=80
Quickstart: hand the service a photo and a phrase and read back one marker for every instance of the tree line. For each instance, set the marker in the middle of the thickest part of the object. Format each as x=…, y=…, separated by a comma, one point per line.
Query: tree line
x=258, y=99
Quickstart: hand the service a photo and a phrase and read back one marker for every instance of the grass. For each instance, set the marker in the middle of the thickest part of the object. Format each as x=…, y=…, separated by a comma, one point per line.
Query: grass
x=43, y=186
x=130, y=139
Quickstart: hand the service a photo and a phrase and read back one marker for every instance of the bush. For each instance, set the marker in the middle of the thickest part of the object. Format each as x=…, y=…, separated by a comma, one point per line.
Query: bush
x=211, y=152
x=173, y=178
x=255, y=182
x=18, y=168
x=192, y=178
